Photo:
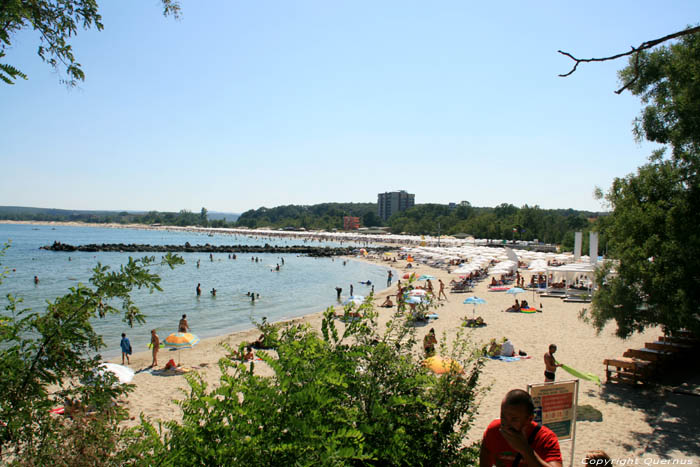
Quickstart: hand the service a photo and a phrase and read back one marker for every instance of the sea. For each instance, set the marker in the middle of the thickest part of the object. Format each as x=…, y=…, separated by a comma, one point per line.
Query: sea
x=303, y=284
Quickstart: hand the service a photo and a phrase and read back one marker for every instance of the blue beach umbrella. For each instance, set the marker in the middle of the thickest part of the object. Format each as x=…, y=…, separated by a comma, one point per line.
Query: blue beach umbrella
x=426, y=277
x=515, y=290
x=474, y=301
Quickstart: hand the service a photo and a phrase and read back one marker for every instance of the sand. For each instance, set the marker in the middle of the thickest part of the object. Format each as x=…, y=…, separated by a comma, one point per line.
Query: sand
x=628, y=415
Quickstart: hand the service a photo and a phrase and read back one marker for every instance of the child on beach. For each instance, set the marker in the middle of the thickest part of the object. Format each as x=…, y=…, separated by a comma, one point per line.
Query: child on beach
x=126, y=348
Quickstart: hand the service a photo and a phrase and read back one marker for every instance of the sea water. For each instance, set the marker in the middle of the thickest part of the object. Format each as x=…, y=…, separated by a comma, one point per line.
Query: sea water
x=302, y=285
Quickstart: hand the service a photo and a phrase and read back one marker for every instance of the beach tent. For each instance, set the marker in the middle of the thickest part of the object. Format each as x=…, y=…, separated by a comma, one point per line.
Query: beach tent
x=570, y=272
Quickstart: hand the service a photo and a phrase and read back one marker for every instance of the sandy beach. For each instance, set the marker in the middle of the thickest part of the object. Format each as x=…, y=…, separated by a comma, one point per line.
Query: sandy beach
x=629, y=415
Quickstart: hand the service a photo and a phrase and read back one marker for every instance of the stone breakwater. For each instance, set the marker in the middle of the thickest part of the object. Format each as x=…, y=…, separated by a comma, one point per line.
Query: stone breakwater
x=315, y=251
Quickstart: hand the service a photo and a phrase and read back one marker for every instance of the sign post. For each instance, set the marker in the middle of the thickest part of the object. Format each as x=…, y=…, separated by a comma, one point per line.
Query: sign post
x=555, y=408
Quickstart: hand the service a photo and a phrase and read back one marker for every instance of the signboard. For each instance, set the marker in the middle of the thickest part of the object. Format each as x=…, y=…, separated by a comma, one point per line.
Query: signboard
x=555, y=406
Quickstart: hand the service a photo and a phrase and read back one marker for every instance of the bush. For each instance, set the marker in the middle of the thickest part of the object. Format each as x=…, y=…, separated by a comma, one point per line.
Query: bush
x=350, y=396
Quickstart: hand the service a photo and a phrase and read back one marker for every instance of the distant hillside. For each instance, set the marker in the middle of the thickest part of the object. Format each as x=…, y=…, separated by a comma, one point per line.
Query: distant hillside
x=184, y=217
x=23, y=213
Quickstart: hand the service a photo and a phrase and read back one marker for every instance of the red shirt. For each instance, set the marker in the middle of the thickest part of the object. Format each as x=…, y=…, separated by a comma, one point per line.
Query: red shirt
x=545, y=444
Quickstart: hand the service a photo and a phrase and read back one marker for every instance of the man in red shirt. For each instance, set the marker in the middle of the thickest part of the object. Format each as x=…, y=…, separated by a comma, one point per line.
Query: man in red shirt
x=515, y=440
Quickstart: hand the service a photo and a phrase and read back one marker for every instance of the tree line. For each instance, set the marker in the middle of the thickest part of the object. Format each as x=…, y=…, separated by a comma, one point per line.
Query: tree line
x=504, y=221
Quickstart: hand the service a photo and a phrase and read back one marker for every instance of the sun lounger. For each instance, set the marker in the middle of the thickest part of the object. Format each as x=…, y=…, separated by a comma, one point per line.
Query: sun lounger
x=577, y=299
x=627, y=370
x=461, y=289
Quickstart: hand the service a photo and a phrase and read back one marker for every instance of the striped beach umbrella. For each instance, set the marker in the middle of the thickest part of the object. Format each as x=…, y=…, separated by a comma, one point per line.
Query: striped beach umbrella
x=180, y=340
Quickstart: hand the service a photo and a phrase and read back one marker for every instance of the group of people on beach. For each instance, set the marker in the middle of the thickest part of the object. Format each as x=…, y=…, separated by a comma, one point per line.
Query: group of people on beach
x=127, y=350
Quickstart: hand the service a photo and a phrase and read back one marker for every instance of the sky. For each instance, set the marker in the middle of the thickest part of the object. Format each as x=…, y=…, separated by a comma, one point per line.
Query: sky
x=244, y=104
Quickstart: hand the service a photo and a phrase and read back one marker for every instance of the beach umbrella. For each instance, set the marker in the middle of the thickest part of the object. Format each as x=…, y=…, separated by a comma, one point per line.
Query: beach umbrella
x=515, y=290
x=123, y=373
x=179, y=341
x=354, y=300
x=440, y=365
x=426, y=277
x=474, y=301
x=418, y=292
x=415, y=300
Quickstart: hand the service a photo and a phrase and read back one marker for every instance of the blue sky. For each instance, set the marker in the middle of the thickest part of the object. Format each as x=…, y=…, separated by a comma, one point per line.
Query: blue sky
x=239, y=105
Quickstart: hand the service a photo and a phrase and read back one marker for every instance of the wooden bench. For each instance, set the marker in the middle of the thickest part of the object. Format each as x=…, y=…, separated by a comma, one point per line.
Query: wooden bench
x=667, y=346
x=627, y=370
x=691, y=341
x=650, y=355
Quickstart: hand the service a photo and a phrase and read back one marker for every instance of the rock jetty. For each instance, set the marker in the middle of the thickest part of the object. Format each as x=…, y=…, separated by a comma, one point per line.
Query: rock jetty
x=315, y=251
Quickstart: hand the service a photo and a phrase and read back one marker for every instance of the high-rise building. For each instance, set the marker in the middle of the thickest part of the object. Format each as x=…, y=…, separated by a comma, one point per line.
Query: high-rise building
x=393, y=202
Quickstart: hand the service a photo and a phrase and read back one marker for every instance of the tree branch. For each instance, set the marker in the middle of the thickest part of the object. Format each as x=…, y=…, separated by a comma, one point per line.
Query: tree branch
x=634, y=51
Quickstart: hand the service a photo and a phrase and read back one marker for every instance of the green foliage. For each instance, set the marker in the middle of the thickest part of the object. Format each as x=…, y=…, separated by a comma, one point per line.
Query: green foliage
x=653, y=233
x=319, y=216
x=270, y=333
x=652, y=229
x=350, y=395
x=530, y=222
x=8, y=73
x=182, y=218
x=668, y=83
x=55, y=21
x=48, y=358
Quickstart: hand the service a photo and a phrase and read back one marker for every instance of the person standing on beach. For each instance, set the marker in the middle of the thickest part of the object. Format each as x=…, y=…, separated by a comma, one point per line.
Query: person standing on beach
x=126, y=348
x=155, y=347
x=388, y=278
x=442, y=290
x=199, y=289
x=183, y=326
x=550, y=364
x=515, y=439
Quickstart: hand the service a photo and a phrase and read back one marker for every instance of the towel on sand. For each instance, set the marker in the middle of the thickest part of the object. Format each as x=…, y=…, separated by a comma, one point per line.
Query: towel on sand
x=509, y=359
